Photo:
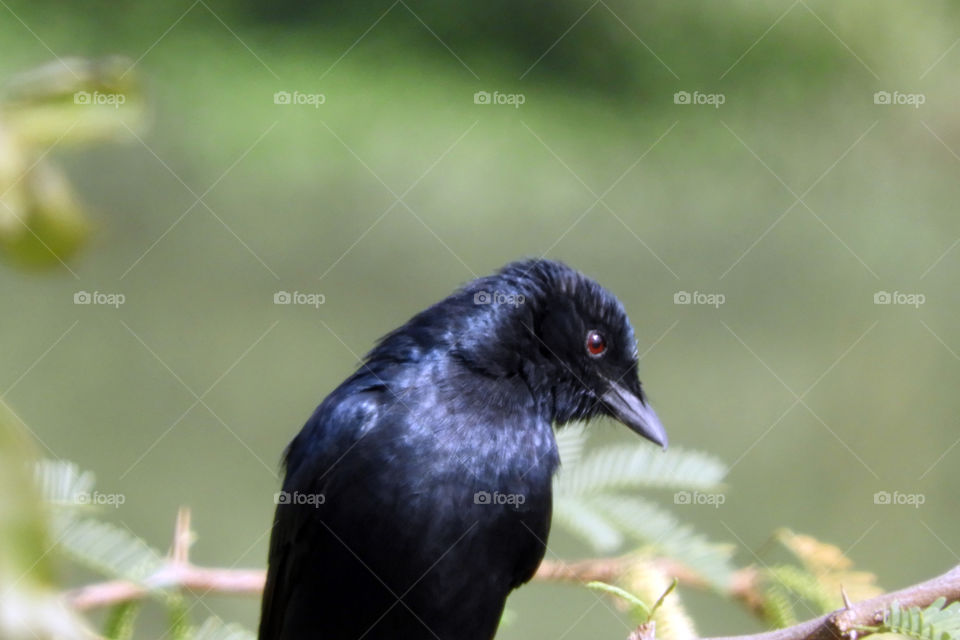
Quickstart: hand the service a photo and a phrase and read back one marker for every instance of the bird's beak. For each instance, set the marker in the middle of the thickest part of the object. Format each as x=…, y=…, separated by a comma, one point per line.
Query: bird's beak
x=631, y=409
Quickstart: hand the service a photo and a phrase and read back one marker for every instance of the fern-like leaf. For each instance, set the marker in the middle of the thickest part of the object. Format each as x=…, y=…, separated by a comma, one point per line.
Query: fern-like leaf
x=803, y=584
x=585, y=522
x=593, y=500
x=571, y=440
x=624, y=467
x=832, y=569
x=778, y=607
x=936, y=622
x=106, y=548
x=646, y=523
x=62, y=484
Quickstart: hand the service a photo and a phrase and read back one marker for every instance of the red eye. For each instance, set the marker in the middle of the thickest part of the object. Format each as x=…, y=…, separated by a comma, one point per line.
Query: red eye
x=596, y=343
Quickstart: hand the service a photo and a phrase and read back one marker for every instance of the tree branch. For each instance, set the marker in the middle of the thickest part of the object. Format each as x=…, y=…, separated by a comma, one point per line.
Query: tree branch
x=179, y=573
x=185, y=576
x=866, y=613
x=744, y=585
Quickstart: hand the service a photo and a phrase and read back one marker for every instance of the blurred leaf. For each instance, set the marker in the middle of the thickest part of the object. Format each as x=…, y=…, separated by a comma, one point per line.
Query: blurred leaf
x=69, y=101
x=640, y=466
x=104, y=547
x=41, y=222
x=119, y=623
x=178, y=613
x=594, y=500
x=62, y=484
x=778, y=607
x=831, y=568
x=74, y=100
x=818, y=557
x=647, y=523
x=215, y=629
x=639, y=610
x=606, y=522
x=651, y=584
x=29, y=607
x=585, y=522
x=571, y=440
x=802, y=584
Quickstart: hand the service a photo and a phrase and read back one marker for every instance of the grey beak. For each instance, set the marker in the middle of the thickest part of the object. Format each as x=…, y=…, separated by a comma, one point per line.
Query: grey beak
x=632, y=411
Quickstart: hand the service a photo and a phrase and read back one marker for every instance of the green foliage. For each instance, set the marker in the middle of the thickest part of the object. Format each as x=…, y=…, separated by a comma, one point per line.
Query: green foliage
x=645, y=522
x=815, y=581
x=179, y=620
x=115, y=553
x=778, y=607
x=594, y=499
x=72, y=100
x=215, y=629
x=802, y=584
x=61, y=484
x=649, y=583
x=104, y=547
x=639, y=610
x=120, y=620
x=30, y=608
x=640, y=466
x=936, y=622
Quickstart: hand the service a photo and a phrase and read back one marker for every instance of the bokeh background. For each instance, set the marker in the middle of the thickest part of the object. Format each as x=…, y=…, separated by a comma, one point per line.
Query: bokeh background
x=797, y=199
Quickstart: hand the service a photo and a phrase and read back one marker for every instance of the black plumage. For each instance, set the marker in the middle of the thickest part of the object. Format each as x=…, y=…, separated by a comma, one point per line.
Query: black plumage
x=418, y=494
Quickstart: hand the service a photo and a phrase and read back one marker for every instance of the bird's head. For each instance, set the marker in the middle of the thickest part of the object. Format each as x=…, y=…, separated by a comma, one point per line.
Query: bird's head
x=567, y=336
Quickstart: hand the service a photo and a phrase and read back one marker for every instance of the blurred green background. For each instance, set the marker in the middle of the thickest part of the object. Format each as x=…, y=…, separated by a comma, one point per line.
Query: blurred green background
x=797, y=199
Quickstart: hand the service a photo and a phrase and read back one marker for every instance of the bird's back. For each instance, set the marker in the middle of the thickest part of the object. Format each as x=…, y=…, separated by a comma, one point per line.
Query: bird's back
x=418, y=497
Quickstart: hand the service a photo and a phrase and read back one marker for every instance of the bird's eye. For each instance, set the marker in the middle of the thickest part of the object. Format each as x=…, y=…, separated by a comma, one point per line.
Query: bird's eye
x=596, y=343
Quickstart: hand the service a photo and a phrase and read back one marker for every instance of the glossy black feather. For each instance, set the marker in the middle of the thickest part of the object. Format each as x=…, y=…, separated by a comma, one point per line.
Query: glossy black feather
x=434, y=462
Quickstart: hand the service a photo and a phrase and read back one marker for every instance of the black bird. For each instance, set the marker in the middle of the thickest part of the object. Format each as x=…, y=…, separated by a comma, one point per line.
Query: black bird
x=418, y=494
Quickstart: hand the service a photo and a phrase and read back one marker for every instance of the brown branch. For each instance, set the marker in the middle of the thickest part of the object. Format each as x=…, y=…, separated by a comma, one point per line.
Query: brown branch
x=230, y=581
x=744, y=585
x=840, y=623
x=179, y=573
x=833, y=626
